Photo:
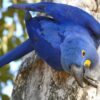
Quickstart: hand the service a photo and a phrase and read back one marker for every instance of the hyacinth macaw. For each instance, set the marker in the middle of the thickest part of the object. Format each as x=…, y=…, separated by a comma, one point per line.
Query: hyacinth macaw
x=66, y=37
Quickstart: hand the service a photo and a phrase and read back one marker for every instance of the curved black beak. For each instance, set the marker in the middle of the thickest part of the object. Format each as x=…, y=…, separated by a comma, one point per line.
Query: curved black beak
x=80, y=76
x=78, y=73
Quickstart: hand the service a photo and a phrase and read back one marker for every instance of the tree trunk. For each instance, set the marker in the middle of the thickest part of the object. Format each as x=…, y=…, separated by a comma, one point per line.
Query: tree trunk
x=38, y=81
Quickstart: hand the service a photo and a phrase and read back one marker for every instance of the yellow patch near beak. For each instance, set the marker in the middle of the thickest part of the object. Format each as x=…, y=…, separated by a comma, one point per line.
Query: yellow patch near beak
x=87, y=63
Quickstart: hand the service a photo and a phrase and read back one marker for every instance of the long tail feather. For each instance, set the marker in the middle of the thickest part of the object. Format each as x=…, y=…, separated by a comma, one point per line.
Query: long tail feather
x=63, y=13
x=16, y=53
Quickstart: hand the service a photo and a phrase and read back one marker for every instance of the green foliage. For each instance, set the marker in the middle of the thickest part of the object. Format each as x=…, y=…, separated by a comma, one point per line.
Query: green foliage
x=9, y=40
x=5, y=97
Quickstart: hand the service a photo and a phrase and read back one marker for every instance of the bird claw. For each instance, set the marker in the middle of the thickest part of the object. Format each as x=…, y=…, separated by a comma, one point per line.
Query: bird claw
x=91, y=81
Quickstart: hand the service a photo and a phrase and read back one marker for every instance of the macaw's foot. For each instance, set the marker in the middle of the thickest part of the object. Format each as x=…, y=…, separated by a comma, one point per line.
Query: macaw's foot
x=90, y=81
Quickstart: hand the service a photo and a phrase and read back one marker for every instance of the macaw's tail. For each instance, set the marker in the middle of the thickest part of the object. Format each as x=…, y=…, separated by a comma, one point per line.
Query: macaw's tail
x=63, y=14
x=16, y=53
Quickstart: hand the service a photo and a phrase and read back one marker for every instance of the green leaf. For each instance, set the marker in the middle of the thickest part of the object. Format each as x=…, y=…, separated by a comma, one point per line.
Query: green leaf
x=5, y=97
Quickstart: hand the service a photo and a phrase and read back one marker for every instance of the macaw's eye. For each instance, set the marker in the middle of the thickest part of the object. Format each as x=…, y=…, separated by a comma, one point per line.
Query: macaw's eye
x=83, y=53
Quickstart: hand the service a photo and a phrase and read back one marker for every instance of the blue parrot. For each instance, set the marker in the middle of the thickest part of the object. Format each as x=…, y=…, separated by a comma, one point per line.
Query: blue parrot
x=66, y=38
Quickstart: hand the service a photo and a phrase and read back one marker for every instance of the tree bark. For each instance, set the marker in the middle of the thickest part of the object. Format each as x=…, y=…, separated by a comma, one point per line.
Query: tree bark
x=38, y=81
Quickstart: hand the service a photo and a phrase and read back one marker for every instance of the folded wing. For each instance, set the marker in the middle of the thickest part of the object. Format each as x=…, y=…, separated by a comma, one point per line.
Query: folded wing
x=44, y=35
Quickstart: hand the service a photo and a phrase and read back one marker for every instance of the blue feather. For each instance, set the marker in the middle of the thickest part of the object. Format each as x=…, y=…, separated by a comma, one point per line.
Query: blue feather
x=59, y=37
x=42, y=43
x=63, y=14
x=48, y=35
x=16, y=53
x=51, y=39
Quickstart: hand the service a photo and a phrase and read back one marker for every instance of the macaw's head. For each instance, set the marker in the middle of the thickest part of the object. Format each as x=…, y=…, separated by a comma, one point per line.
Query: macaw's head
x=78, y=54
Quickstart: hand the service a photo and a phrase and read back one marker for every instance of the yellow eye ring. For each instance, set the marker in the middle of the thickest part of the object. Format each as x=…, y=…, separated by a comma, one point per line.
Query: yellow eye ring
x=83, y=53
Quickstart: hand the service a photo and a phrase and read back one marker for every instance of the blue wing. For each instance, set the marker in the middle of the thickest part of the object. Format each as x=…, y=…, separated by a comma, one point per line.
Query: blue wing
x=45, y=36
x=63, y=14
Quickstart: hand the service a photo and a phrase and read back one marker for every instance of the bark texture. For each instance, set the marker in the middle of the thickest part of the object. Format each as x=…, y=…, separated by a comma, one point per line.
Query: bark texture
x=37, y=81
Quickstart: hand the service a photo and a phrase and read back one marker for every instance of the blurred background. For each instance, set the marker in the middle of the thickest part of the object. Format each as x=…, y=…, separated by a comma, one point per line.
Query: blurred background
x=12, y=33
